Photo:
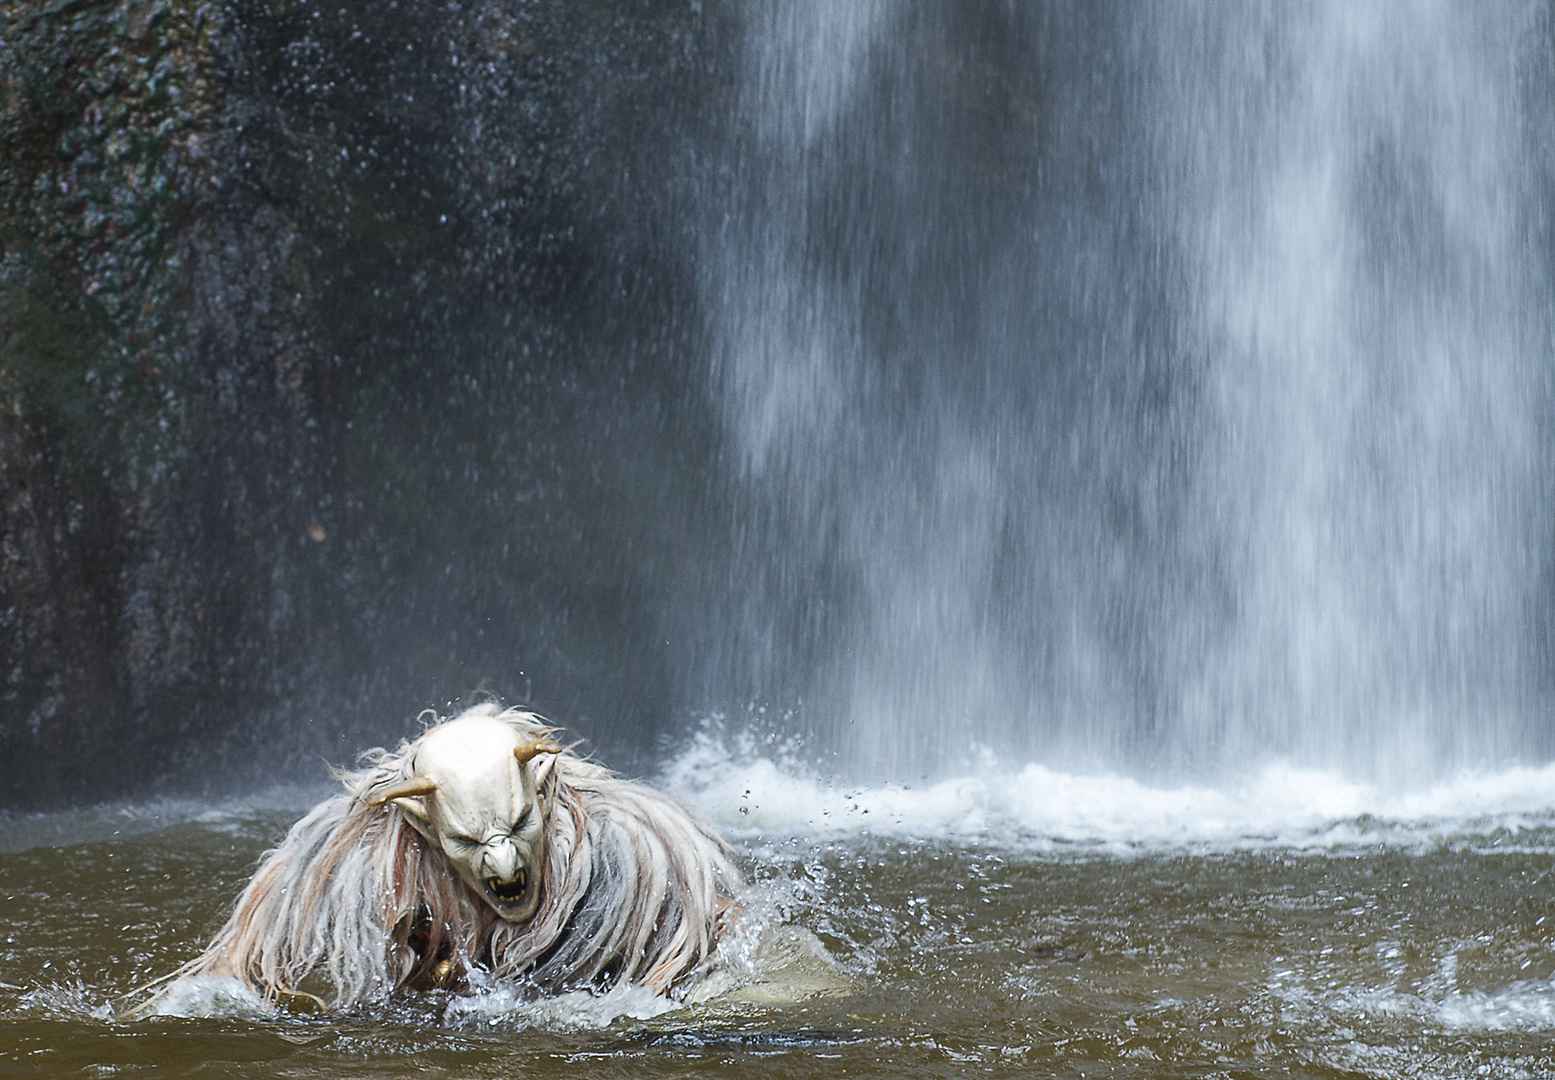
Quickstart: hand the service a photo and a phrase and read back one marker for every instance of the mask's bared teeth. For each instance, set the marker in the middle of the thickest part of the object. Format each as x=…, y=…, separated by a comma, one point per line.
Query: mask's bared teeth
x=509, y=892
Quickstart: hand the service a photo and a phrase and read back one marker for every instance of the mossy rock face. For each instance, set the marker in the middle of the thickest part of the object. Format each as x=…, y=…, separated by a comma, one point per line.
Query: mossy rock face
x=105, y=120
x=104, y=117
x=346, y=370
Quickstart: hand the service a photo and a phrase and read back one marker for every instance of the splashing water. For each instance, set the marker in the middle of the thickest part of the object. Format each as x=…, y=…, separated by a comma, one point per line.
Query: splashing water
x=750, y=791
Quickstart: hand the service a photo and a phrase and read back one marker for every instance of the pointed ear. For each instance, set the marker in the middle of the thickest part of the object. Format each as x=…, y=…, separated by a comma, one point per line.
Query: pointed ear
x=415, y=810
x=544, y=749
x=545, y=775
x=408, y=796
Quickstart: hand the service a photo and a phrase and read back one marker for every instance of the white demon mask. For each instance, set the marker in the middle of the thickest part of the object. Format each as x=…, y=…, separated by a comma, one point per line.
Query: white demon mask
x=477, y=793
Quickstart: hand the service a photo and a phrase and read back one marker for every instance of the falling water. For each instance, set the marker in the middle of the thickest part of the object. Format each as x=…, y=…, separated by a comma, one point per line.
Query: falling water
x=1372, y=298
x=1154, y=386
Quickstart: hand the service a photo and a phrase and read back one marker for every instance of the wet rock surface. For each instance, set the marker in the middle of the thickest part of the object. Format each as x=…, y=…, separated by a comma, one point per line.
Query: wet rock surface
x=348, y=368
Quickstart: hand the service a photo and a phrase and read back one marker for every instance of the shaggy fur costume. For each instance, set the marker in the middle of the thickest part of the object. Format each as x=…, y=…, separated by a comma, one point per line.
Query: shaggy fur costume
x=633, y=890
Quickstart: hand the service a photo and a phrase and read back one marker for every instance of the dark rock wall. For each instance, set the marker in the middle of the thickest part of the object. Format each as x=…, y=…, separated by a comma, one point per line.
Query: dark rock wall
x=349, y=367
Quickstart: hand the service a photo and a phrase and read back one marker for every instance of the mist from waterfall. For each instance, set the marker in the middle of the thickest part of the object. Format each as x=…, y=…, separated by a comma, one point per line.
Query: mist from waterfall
x=1162, y=388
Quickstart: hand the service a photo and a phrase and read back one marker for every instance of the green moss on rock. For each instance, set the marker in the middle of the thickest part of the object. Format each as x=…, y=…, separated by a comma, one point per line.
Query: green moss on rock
x=105, y=118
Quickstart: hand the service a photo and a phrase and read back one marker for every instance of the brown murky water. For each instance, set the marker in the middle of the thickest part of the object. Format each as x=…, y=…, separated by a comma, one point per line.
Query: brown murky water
x=967, y=959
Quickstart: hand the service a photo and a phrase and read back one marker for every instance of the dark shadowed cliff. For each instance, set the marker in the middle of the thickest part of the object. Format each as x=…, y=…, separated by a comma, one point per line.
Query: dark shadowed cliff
x=347, y=370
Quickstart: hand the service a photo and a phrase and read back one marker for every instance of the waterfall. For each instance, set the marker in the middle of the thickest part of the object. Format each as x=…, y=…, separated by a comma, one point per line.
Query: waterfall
x=1154, y=389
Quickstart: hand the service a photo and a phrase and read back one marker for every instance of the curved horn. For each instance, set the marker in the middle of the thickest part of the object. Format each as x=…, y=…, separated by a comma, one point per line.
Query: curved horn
x=416, y=785
x=526, y=751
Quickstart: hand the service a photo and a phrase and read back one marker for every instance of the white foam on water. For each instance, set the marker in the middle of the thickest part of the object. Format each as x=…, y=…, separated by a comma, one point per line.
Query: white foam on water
x=752, y=793
x=1520, y=1006
x=508, y=1007
x=1524, y=1006
x=72, y=998
x=1438, y=1003
x=212, y=995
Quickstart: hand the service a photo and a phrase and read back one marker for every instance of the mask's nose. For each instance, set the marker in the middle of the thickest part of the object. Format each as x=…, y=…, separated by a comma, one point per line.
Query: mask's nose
x=501, y=860
x=503, y=872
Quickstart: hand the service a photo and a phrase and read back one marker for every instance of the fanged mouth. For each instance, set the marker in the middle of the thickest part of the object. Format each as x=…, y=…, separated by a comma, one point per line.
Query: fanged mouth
x=509, y=892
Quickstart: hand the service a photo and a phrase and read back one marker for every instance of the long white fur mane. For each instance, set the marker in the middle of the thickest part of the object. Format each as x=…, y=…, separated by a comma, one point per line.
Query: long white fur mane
x=633, y=890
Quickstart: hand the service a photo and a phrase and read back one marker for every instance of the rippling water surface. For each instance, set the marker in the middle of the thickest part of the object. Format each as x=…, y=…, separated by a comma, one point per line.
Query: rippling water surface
x=1016, y=922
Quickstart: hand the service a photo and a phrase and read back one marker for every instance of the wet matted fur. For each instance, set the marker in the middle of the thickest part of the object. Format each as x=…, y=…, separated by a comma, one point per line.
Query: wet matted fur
x=633, y=890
